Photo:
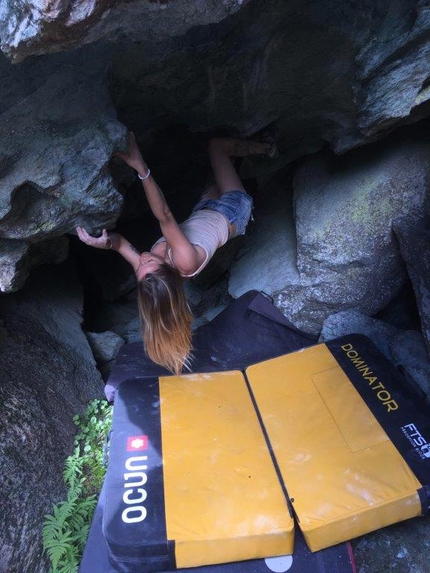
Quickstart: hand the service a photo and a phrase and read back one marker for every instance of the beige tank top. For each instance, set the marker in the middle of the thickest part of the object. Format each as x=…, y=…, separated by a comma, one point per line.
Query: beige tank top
x=206, y=228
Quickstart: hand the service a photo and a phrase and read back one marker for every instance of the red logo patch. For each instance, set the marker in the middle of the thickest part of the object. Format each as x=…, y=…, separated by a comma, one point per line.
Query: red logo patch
x=137, y=443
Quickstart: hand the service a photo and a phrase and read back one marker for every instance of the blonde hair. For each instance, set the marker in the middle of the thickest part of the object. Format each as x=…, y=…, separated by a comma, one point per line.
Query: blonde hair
x=165, y=318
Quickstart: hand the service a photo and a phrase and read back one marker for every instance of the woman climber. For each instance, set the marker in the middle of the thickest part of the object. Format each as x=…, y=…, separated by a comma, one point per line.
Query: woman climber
x=185, y=249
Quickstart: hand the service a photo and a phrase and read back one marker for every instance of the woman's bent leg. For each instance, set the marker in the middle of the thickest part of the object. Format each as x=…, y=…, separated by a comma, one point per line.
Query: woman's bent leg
x=220, y=151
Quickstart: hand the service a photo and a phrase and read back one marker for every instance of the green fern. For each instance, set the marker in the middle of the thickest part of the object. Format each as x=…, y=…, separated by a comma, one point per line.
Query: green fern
x=65, y=531
x=73, y=468
x=58, y=546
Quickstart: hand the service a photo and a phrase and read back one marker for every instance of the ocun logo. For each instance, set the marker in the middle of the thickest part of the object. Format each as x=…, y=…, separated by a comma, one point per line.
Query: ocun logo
x=417, y=440
x=134, y=495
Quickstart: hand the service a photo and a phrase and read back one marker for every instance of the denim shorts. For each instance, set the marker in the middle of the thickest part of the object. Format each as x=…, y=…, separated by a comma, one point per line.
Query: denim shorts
x=235, y=205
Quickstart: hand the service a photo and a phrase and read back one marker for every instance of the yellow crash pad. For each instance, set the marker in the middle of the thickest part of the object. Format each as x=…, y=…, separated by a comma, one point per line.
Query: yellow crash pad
x=223, y=499
x=344, y=475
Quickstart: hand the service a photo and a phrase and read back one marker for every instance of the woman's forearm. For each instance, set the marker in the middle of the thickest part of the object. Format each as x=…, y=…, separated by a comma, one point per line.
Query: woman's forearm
x=153, y=193
x=125, y=249
x=120, y=244
x=155, y=197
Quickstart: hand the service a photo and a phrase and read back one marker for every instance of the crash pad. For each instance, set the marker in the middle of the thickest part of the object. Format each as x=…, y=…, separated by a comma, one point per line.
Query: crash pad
x=351, y=441
x=190, y=479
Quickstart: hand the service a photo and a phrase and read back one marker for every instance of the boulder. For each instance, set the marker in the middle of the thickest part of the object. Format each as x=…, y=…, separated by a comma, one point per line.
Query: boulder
x=393, y=69
x=48, y=374
x=267, y=261
x=344, y=207
x=58, y=130
x=409, y=349
x=353, y=322
x=105, y=346
x=36, y=27
x=326, y=71
x=19, y=257
x=402, y=310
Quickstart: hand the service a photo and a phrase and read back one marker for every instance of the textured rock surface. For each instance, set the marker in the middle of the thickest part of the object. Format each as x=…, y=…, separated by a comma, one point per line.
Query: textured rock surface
x=344, y=208
x=409, y=349
x=267, y=262
x=415, y=248
x=19, y=257
x=38, y=27
x=47, y=375
x=353, y=322
x=105, y=346
x=402, y=310
x=58, y=130
x=325, y=71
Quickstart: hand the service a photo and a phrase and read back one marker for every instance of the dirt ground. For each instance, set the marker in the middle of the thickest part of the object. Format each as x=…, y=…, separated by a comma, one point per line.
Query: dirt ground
x=400, y=548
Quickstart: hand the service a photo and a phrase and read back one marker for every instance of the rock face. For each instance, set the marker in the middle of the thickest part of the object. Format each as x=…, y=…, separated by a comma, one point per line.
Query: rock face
x=58, y=130
x=340, y=252
x=48, y=374
x=347, y=255
x=19, y=257
x=268, y=260
x=105, y=346
x=40, y=27
x=325, y=71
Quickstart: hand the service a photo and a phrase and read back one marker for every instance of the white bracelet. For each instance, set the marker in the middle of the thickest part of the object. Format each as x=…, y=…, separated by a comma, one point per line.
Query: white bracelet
x=146, y=176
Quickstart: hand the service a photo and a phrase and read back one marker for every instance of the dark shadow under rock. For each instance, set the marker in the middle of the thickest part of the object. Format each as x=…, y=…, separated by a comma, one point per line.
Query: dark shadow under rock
x=402, y=311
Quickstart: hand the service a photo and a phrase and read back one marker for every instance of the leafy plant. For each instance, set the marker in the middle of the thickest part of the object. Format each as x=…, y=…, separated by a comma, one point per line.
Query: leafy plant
x=65, y=531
